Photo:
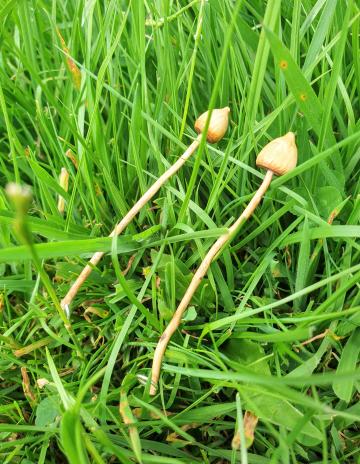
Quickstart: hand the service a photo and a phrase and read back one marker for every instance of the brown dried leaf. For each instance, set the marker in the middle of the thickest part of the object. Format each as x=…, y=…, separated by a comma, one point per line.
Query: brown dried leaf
x=250, y=422
x=74, y=70
x=30, y=396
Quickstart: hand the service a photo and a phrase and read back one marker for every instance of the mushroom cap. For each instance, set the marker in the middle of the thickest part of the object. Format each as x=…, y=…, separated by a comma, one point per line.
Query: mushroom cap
x=279, y=155
x=218, y=124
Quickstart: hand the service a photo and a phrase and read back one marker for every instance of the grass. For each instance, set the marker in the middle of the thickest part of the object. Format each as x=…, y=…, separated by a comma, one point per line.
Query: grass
x=110, y=90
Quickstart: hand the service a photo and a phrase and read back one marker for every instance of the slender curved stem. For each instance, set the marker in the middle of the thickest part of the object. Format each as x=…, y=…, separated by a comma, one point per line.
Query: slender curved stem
x=66, y=301
x=198, y=276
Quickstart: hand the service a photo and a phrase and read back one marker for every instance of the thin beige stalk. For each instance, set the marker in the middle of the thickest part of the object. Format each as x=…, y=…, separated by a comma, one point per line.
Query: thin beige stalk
x=66, y=301
x=198, y=276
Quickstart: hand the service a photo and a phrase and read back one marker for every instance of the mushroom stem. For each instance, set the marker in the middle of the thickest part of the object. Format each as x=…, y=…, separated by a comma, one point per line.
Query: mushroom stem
x=66, y=301
x=198, y=276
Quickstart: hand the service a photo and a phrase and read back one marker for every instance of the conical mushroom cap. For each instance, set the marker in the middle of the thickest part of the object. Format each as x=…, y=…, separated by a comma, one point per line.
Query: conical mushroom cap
x=218, y=125
x=279, y=155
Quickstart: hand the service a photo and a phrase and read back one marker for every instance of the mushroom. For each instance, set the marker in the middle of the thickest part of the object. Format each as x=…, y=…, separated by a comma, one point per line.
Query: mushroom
x=217, y=127
x=278, y=157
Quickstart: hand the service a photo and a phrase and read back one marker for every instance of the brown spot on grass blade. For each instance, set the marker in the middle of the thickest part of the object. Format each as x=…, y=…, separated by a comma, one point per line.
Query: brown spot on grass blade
x=69, y=154
x=30, y=396
x=284, y=64
x=250, y=422
x=74, y=70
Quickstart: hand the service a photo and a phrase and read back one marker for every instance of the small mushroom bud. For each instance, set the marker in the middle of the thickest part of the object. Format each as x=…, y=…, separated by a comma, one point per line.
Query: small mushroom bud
x=279, y=155
x=218, y=124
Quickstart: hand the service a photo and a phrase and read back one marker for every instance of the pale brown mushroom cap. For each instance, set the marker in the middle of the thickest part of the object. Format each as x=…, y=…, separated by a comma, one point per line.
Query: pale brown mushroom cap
x=279, y=155
x=218, y=125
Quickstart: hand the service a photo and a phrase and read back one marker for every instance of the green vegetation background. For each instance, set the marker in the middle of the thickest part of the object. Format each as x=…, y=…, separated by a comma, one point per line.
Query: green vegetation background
x=110, y=90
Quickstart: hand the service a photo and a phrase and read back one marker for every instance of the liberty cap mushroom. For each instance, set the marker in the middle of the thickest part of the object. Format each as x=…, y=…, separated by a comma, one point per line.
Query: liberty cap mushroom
x=278, y=157
x=219, y=121
x=218, y=125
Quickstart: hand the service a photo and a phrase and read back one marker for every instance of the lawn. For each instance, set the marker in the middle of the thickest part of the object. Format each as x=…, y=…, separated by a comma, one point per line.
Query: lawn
x=97, y=100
